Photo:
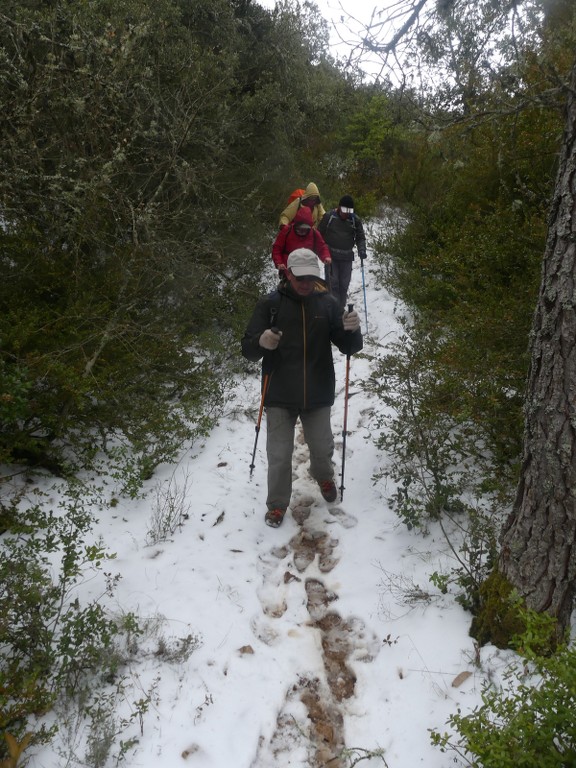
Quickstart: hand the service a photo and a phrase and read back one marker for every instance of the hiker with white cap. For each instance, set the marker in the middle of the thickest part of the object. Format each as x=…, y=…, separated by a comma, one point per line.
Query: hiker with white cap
x=292, y=331
x=343, y=230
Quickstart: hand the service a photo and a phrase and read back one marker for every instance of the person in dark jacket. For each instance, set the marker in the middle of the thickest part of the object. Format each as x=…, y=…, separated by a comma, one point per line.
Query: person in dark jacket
x=292, y=330
x=342, y=230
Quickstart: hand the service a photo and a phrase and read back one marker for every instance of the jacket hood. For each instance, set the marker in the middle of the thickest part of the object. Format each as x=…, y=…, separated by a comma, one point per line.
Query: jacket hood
x=311, y=191
x=304, y=216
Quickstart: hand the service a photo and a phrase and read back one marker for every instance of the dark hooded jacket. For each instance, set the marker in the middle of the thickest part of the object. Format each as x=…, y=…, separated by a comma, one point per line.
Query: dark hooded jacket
x=301, y=371
x=341, y=235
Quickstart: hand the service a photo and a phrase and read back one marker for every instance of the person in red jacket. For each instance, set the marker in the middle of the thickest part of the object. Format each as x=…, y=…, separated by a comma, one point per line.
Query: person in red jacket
x=299, y=234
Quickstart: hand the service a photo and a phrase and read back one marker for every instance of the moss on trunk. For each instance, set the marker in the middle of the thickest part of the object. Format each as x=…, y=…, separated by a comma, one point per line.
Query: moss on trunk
x=498, y=619
x=504, y=620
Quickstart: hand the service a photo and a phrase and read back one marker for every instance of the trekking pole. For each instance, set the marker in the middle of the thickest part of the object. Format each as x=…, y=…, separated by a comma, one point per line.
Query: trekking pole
x=264, y=390
x=345, y=428
x=257, y=427
x=364, y=289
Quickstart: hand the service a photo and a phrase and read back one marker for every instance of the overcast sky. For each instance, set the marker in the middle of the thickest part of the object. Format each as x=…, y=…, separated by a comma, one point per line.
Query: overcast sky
x=346, y=20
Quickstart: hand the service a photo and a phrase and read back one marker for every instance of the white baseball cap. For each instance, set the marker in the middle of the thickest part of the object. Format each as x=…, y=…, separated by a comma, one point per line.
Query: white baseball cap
x=304, y=263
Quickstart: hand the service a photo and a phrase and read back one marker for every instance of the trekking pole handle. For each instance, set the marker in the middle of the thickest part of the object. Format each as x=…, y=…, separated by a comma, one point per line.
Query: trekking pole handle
x=350, y=309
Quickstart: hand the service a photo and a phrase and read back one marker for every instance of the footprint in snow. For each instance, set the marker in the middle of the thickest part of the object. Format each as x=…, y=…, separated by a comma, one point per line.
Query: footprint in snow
x=308, y=543
x=345, y=520
x=272, y=592
x=301, y=506
x=263, y=630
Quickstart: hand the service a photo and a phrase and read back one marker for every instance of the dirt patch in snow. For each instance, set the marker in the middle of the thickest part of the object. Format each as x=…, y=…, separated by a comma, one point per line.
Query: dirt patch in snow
x=340, y=638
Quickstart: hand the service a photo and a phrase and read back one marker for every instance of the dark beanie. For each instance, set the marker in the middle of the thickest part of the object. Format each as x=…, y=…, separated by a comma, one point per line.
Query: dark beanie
x=346, y=201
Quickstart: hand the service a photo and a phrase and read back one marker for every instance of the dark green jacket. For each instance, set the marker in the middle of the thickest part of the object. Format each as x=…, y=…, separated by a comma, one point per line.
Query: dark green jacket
x=301, y=370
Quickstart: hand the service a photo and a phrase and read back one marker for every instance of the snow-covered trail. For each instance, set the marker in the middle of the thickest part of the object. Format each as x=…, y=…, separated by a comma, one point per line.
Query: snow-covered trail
x=309, y=654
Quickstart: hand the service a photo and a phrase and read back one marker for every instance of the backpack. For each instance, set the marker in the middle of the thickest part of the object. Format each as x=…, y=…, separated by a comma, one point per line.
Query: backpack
x=334, y=215
x=294, y=195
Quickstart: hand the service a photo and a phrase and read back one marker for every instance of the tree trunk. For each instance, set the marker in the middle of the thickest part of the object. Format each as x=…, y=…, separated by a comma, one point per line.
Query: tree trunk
x=538, y=555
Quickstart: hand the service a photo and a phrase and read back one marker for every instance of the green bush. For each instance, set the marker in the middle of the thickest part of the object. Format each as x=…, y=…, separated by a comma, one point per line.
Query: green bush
x=134, y=235
x=437, y=456
x=442, y=474
x=61, y=654
x=51, y=643
x=527, y=723
x=47, y=638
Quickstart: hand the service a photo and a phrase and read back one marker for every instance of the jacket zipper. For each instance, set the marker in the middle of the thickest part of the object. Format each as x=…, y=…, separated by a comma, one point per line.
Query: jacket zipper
x=305, y=352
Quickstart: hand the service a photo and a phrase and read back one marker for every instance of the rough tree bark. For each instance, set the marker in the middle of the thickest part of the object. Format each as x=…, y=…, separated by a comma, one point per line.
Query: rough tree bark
x=538, y=547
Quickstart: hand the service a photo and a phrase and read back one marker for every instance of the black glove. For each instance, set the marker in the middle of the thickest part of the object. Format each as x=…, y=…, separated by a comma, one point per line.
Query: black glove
x=362, y=255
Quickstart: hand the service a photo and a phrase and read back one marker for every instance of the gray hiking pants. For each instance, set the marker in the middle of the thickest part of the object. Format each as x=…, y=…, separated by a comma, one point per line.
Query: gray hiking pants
x=280, y=427
x=339, y=274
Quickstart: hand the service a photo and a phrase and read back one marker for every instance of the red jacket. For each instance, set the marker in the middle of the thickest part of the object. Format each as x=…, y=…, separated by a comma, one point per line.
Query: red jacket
x=287, y=240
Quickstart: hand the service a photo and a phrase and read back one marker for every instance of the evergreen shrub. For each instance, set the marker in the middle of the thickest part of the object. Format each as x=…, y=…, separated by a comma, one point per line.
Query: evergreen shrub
x=529, y=721
x=54, y=646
